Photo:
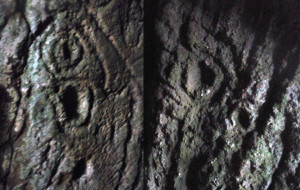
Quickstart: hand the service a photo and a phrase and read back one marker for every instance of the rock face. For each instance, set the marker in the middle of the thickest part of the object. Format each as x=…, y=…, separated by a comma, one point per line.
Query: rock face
x=71, y=94
x=222, y=100
x=226, y=80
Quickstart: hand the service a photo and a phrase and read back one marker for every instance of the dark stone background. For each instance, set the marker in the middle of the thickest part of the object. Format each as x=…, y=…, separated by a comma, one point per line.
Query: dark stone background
x=225, y=75
x=220, y=108
x=71, y=86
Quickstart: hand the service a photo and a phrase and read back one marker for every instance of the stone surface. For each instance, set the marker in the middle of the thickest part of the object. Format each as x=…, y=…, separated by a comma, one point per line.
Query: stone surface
x=225, y=80
x=221, y=94
x=71, y=88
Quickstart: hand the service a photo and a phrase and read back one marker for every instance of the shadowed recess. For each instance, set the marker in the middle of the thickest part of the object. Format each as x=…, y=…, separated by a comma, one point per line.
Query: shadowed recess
x=79, y=169
x=244, y=118
x=207, y=75
x=70, y=102
x=4, y=100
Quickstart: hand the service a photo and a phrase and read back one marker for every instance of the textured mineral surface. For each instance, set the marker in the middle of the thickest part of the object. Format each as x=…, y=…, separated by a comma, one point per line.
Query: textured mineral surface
x=224, y=81
x=71, y=94
x=222, y=100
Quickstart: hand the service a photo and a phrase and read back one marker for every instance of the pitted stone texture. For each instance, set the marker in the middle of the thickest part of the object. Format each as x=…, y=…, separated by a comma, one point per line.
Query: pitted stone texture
x=71, y=95
x=224, y=112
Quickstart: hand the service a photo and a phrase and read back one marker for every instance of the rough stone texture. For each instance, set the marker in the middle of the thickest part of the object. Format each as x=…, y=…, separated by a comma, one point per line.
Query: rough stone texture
x=224, y=78
x=71, y=88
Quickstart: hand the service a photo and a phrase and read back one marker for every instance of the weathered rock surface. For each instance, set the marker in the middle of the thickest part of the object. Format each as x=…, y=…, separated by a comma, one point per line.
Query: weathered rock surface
x=222, y=94
x=225, y=104
x=71, y=94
